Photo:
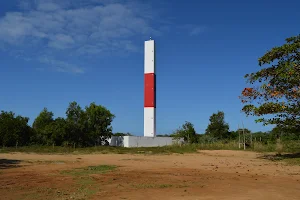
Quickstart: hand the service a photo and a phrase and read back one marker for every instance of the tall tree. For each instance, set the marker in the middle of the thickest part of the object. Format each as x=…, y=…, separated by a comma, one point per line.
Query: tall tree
x=75, y=124
x=57, y=131
x=44, y=119
x=275, y=95
x=217, y=127
x=99, y=121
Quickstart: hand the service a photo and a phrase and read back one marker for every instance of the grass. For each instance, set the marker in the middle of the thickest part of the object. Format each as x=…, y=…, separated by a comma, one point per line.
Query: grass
x=100, y=169
x=86, y=187
x=287, y=147
x=86, y=184
x=102, y=150
x=44, y=161
x=290, y=159
x=144, y=186
x=46, y=193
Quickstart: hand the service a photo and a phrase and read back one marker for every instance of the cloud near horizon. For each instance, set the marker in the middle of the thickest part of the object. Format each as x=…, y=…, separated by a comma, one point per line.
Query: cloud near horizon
x=50, y=28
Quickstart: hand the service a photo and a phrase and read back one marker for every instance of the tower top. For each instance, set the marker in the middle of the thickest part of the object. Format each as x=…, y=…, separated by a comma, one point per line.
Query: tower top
x=150, y=38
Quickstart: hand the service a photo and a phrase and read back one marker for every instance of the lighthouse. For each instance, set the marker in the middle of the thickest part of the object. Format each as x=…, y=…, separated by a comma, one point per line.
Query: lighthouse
x=149, y=89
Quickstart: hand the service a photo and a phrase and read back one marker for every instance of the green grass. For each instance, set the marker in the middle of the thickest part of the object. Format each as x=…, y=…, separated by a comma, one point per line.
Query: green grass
x=288, y=147
x=44, y=161
x=87, y=186
x=292, y=161
x=289, y=159
x=103, y=150
x=100, y=169
x=145, y=186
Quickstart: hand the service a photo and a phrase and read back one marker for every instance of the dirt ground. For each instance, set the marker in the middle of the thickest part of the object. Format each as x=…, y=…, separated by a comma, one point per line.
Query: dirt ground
x=233, y=175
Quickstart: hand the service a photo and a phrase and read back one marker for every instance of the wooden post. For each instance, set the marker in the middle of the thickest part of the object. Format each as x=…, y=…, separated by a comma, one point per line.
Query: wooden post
x=239, y=136
x=244, y=136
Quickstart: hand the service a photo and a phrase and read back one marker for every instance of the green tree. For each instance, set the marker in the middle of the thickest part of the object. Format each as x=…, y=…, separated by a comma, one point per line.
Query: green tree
x=14, y=130
x=99, y=121
x=44, y=119
x=284, y=133
x=75, y=125
x=261, y=136
x=122, y=134
x=233, y=135
x=275, y=96
x=56, y=131
x=187, y=132
x=217, y=127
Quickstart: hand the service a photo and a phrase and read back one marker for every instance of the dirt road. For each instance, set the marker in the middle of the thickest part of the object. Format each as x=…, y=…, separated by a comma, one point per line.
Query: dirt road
x=233, y=175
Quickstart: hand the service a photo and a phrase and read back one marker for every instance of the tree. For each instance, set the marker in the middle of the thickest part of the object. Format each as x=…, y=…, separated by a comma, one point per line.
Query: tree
x=99, y=121
x=90, y=126
x=276, y=88
x=75, y=124
x=217, y=127
x=284, y=133
x=187, y=132
x=44, y=119
x=122, y=134
x=56, y=131
x=14, y=130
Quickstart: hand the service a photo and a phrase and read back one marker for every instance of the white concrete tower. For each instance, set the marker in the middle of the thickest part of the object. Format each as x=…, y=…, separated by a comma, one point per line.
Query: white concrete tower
x=149, y=90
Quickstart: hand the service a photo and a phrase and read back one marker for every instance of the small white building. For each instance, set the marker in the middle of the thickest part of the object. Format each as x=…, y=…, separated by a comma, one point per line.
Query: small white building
x=140, y=141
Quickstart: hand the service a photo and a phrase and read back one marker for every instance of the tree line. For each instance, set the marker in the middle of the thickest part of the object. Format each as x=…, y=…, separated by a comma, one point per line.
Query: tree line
x=80, y=128
x=219, y=130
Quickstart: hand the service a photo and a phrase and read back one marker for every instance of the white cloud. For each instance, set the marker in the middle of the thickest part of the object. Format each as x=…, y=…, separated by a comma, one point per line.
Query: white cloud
x=61, y=41
x=48, y=6
x=193, y=29
x=53, y=31
x=61, y=66
x=52, y=26
x=197, y=30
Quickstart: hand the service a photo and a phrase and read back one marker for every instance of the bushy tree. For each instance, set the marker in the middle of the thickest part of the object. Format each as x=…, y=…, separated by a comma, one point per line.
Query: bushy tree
x=187, y=132
x=275, y=94
x=56, y=131
x=14, y=130
x=217, y=127
x=75, y=124
x=40, y=127
x=284, y=133
x=44, y=118
x=98, y=120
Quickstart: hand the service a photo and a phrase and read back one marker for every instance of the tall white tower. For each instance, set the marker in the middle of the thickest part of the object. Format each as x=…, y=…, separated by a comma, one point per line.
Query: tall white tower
x=149, y=90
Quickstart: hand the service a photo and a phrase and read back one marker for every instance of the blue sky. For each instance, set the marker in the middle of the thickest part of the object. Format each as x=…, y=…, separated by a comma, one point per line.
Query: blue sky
x=54, y=52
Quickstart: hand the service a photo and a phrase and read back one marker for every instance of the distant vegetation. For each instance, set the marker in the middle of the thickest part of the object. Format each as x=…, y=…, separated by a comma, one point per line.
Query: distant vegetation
x=274, y=98
x=80, y=128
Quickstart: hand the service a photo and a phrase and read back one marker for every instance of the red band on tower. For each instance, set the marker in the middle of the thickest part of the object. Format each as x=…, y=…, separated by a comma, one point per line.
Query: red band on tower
x=149, y=96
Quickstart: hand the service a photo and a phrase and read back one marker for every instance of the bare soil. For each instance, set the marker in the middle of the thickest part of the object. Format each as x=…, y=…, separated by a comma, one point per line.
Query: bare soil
x=234, y=175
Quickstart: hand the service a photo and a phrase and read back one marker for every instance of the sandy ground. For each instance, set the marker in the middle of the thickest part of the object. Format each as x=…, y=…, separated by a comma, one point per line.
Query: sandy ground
x=233, y=175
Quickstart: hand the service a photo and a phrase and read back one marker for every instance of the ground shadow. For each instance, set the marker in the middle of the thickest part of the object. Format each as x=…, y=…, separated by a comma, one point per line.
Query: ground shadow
x=280, y=156
x=7, y=163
